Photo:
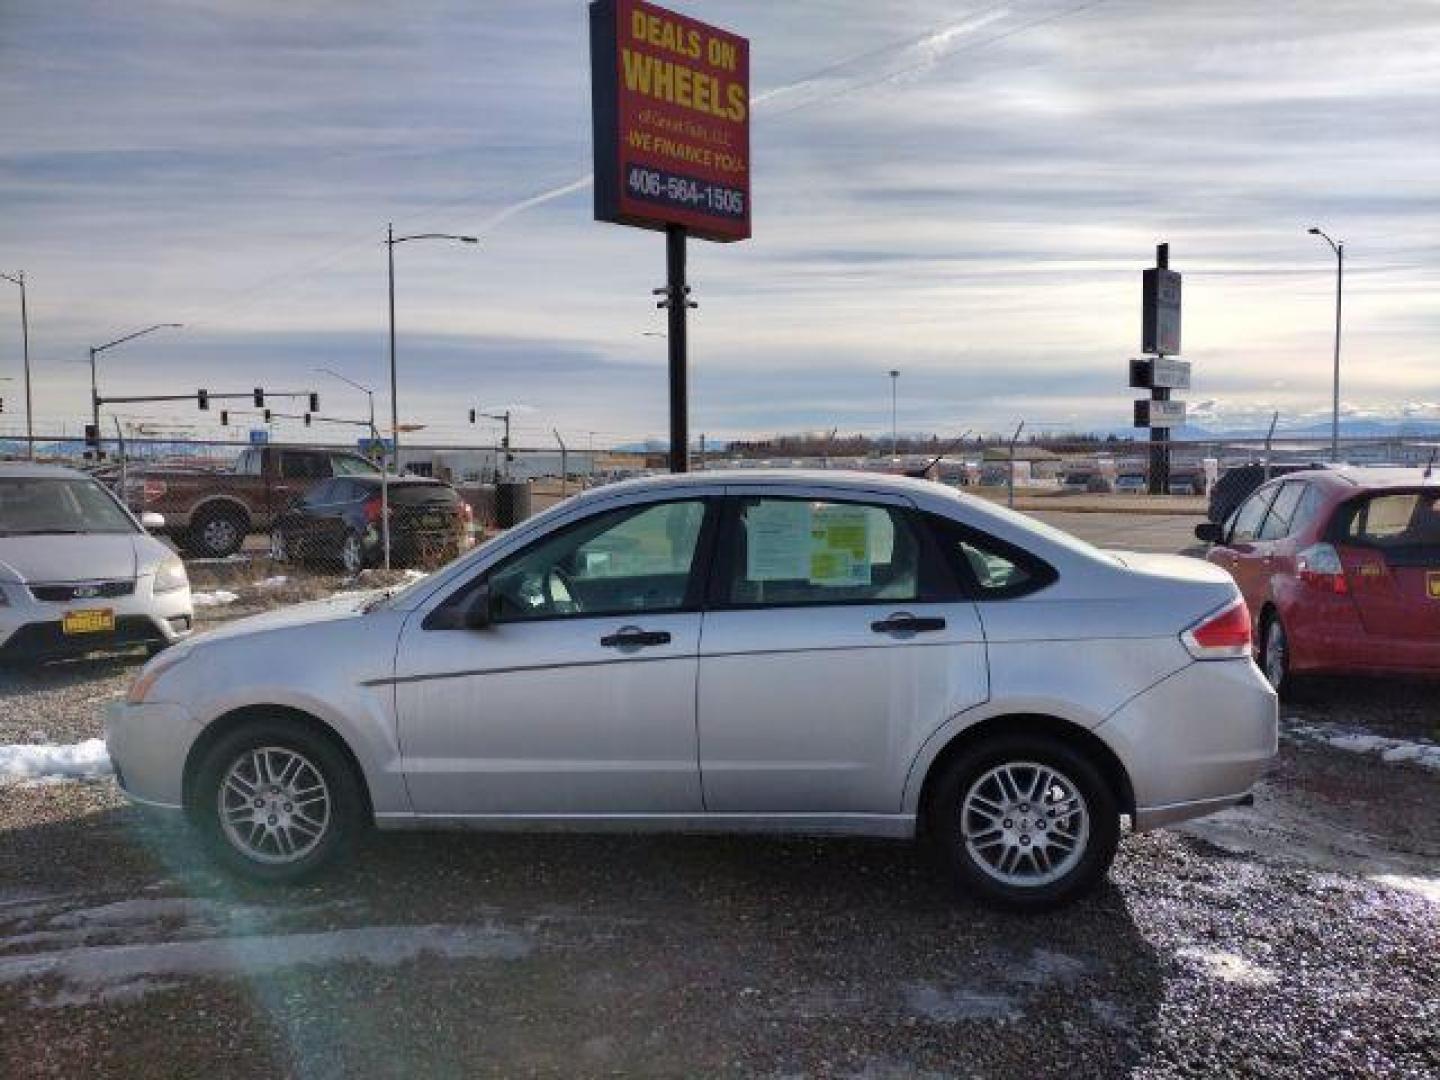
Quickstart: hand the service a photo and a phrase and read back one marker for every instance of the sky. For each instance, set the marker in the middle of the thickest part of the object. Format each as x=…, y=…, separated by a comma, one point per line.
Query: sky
x=964, y=192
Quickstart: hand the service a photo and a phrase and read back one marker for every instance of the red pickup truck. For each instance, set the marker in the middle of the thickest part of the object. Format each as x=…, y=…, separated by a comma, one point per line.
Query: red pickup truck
x=209, y=512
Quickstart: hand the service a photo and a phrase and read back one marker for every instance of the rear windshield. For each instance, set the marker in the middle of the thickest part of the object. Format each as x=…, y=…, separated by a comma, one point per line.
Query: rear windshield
x=46, y=506
x=1404, y=521
x=420, y=494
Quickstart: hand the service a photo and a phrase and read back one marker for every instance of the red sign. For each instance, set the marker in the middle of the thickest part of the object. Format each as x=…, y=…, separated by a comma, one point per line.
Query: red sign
x=671, y=109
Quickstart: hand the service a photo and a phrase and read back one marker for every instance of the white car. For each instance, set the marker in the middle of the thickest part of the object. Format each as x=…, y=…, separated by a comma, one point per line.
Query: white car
x=78, y=572
x=818, y=652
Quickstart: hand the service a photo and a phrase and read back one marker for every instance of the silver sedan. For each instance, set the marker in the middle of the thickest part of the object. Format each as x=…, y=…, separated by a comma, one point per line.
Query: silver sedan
x=823, y=652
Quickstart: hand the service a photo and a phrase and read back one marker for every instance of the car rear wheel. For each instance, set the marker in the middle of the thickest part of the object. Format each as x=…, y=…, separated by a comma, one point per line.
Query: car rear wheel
x=276, y=802
x=1275, y=654
x=217, y=533
x=1025, y=822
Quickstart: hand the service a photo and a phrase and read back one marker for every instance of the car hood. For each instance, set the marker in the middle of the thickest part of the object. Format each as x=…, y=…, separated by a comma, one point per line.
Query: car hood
x=90, y=557
x=349, y=605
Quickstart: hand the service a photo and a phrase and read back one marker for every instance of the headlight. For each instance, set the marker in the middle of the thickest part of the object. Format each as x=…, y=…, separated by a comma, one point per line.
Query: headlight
x=152, y=671
x=171, y=575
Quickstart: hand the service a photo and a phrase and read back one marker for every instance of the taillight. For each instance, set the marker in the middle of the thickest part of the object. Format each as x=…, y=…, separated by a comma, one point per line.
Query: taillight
x=372, y=510
x=1223, y=635
x=1319, y=565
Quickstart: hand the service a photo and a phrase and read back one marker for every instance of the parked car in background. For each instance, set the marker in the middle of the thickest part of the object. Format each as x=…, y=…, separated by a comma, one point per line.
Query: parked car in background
x=1341, y=569
x=1237, y=483
x=78, y=573
x=1130, y=483
x=790, y=652
x=209, y=512
x=337, y=522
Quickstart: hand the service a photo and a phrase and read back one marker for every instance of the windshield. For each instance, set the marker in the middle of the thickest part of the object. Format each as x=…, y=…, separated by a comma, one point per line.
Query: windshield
x=349, y=465
x=34, y=506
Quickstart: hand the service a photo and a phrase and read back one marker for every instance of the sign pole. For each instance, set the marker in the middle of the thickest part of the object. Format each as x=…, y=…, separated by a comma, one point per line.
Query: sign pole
x=677, y=297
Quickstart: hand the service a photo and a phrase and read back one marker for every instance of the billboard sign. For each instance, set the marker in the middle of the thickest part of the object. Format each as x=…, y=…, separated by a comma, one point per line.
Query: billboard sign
x=670, y=102
x=1160, y=317
x=1159, y=414
x=1160, y=373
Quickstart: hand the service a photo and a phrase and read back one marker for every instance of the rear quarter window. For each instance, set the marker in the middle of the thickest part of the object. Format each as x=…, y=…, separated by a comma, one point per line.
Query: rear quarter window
x=1400, y=520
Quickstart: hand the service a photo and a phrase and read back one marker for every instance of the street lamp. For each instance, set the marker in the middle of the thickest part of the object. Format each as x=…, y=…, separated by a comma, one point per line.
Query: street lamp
x=95, y=350
x=390, y=241
x=19, y=279
x=384, y=476
x=1339, y=249
x=894, y=430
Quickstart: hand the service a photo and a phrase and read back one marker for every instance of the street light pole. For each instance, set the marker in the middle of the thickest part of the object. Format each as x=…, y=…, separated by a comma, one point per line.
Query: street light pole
x=390, y=241
x=384, y=476
x=19, y=279
x=95, y=350
x=894, y=429
x=1339, y=249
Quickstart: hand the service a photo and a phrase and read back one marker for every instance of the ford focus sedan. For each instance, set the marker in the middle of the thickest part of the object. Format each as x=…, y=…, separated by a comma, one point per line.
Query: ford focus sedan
x=779, y=652
x=78, y=572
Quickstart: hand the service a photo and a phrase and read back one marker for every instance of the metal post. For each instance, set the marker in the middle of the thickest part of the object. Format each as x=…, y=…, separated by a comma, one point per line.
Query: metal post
x=1269, y=437
x=1013, y=440
x=1160, y=436
x=894, y=429
x=677, y=306
x=564, y=464
x=95, y=405
x=394, y=404
x=1335, y=402
x=19, y=279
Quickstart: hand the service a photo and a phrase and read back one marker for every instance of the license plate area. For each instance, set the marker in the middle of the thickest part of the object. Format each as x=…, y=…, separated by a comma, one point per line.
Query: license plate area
x=89, y=621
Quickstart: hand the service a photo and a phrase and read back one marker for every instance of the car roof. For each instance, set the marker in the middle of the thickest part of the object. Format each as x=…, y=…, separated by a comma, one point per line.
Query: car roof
x=851, y=479
x=40, y=471
x=1368, y=477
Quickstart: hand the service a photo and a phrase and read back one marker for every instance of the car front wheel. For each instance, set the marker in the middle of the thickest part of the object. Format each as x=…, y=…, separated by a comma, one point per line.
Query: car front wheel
x=1025, y=823
x=276, y=802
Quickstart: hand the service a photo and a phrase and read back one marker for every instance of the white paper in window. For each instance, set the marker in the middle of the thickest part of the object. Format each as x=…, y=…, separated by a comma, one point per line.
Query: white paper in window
x=777, y=544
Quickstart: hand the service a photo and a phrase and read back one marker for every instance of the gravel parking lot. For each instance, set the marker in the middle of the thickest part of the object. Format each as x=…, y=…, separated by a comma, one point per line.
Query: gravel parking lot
x=1300, y=936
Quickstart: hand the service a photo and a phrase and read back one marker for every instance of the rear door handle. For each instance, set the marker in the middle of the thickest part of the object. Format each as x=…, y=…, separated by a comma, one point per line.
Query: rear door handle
x=905, y=623
x=632, y=637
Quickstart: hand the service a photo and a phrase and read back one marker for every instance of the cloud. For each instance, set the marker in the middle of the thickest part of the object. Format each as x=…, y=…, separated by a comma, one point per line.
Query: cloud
x=966, y=194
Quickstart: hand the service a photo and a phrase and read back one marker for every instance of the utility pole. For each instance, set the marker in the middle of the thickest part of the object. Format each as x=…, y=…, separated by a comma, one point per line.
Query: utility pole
x=564, y=464
x=1013, y=440
x=19, y=279
x=1339, y=248
x=95, y=350
x=894, y=429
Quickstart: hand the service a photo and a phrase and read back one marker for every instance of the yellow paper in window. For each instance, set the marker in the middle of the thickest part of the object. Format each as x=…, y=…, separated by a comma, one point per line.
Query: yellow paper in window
x=840, y=546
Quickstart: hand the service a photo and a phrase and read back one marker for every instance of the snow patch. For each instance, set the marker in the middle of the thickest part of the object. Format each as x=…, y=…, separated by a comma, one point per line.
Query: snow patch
x=272, y=582
x=213, y=599
x=1420, y=752
x=89, y=974
x=51, y=761
x=1228, y=967
x=1429, y=888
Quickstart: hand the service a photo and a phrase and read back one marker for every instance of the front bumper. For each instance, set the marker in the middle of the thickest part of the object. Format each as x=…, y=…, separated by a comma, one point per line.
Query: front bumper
x=1197, y=741
x=33, y=629
x=148, y=745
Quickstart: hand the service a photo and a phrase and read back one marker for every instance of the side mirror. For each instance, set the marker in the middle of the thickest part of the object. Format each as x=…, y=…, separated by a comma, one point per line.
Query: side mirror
x=152, y=520
x=480, y=610
x=1212, y=532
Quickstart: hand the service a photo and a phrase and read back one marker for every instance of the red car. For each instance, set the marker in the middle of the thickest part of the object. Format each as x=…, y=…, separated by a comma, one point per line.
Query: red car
x=1340, y=569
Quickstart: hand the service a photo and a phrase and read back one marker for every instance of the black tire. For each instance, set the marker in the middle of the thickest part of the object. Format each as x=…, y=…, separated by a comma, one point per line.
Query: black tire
x=1096, y=843
x=216, y=534
x=1275, y=654
x=344, y=822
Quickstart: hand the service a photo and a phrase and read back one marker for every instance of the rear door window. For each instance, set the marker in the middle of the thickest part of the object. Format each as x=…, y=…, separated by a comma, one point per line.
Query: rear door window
x=1282, y=511
x=1250, y=516
x=304, y=465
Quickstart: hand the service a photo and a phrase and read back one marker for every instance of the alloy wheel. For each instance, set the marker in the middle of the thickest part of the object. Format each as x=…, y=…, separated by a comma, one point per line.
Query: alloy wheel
x=351, y=555
x=274, y=805
x=219, y=534
x=1025, y=824
x=1276, y=653
x=277, y=546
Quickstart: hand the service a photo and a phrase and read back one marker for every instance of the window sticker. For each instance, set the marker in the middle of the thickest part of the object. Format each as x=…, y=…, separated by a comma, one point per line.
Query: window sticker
x=777, y=541
x=840, y=546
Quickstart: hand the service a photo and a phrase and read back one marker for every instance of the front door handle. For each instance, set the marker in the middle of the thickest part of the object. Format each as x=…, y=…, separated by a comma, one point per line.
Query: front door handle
x=903, y=622
x=632, y=637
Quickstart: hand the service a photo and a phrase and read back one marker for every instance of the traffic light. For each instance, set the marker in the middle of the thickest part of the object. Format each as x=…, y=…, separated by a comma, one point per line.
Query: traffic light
x=92, y=436
x=314, y=403
x=472, y=416
x=224, y=418
x=267, y=416
x=259, y=398
x=2, y=404
x=203, y=397
x=307, y=419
